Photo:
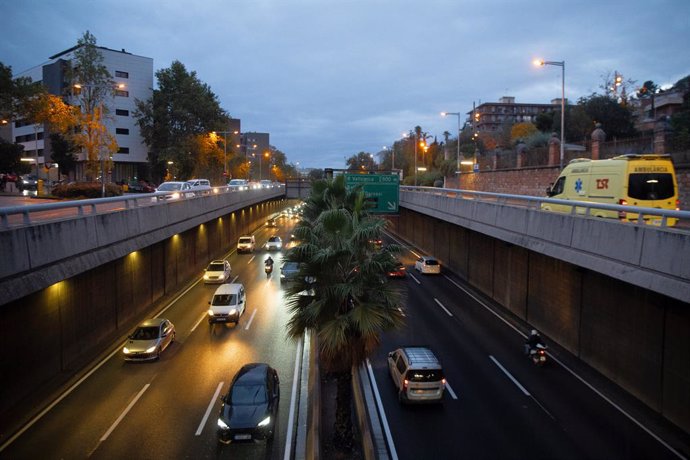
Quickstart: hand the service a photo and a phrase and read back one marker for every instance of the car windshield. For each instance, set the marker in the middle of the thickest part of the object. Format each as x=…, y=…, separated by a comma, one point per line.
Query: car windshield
x=431, y=262
x=424, y=375
x=216, y=267
x=248, y=395
x=224, y=299
x=274, y=239
x=169, y=187
x=145, y=333
x=245, y=240
x=237, y=182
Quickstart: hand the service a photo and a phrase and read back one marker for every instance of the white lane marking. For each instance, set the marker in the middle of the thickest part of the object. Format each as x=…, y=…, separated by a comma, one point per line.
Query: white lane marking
x=293, y=401
x=382, y=414
x=450, y=390
x=235, y=278
x=125, y=412
x=249, y=323
x=441, y=305
x=574, y=374
x=415, y=278
x=402, y=312
x=509, y=375
x=415, y=254
x=250, y=260
x=76, y=385
x=208, y=409
x=198, y=322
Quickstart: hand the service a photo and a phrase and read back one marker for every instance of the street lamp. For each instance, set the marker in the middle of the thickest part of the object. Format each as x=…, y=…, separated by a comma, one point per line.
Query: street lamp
x=561, y=64
x=445, y=114
x=225, y=149
x=422, y=144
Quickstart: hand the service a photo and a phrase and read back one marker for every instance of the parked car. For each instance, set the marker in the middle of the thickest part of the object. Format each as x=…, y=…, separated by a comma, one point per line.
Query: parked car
x=428, y=265
x=27, y=182
x=417, y=374
x=274, y=243
x=246, y=243
x=218, y=271
x=149, y=339
x=250, y=408
x=227, y=304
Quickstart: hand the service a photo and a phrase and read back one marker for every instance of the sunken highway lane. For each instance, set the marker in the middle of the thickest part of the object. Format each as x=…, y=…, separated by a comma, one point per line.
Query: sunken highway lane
x=169, y=408
x=498, y=404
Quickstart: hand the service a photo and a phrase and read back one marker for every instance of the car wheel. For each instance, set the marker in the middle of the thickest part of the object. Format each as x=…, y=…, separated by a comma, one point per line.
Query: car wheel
x=173, y=338
x=158, y=354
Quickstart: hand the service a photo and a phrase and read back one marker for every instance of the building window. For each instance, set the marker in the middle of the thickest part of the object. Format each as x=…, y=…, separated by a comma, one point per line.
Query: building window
x=121, y=131
x=121, y=93
x=121, y=74
x=124, y=150
x=122, y=112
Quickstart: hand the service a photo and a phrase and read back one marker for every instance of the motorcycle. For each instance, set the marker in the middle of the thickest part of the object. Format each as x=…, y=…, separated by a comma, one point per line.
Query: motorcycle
x=268, y=268
x=538, y=354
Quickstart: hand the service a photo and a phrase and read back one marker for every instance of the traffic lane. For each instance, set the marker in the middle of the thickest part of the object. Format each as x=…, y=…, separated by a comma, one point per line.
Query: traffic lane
x=490, y=418
x=221, y=350
x=108, y=392
x=572, y=404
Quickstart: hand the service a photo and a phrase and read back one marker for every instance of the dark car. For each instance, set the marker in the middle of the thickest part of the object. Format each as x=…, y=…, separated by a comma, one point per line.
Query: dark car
x=398, y=271
x=250, y=408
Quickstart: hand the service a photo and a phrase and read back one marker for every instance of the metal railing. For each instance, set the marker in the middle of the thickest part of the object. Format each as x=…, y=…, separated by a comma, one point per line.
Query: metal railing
x=579, y=208
x=31, y=214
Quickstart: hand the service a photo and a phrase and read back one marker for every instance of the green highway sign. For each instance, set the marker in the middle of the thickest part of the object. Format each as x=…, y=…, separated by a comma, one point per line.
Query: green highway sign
x=381, y=190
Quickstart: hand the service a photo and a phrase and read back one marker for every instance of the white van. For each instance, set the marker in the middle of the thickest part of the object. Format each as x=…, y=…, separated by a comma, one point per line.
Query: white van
x=636, y=180
x=200, y=186
x=228, y=304
x=417, y=374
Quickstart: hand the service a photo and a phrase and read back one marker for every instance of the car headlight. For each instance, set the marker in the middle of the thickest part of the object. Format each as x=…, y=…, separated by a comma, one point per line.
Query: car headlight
x=151, y=349
x=222, y=424
x=175, y=196
x=265, y=421
x=125, y=350
x=210, y=312
x=233, y=311
x=206, y=276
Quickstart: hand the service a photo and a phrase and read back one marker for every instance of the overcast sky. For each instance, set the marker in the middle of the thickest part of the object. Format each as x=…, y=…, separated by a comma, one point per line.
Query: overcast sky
x=328, y=79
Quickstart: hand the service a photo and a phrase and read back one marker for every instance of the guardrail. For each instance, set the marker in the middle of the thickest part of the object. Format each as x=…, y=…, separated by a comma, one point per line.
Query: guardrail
x=579, y=208
x=30, y=214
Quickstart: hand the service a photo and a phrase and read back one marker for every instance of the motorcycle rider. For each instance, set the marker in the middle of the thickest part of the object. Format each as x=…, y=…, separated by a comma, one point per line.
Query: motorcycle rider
x=269, y=262
x=532, y=341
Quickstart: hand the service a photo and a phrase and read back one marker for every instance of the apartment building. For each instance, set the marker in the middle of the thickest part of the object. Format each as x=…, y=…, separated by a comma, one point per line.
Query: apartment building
x=493, y=116
x=132, y=76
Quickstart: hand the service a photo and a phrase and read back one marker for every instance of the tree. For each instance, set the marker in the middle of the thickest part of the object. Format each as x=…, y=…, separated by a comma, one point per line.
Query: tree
x=92, y=86
x=680, y=120
x=14, y=92
x=522, y=131
x=10, y=155
x=352, y=301
x=363, y=161
x=182, y=107
x=62, y=152
x=616, y=120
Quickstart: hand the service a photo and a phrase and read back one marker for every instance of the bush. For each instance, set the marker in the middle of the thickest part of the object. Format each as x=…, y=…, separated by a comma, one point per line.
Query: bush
x=83, y=190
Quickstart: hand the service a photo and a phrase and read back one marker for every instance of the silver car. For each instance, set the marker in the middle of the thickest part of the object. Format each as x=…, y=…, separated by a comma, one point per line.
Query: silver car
x=149, y=339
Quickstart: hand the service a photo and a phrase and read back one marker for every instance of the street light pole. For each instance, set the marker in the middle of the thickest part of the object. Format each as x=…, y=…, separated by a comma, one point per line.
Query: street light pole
x=458, y=155
x=560, y=64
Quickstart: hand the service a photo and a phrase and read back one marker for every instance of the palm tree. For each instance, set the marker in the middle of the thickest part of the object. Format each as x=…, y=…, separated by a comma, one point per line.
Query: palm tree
x=342, y=294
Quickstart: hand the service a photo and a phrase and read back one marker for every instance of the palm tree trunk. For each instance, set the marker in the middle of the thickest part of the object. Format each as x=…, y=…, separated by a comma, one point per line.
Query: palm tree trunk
x=342, y=438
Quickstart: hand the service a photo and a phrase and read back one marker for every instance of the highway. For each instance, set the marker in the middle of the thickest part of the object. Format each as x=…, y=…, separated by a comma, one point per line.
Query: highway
x=498, y=405
x=159, y=409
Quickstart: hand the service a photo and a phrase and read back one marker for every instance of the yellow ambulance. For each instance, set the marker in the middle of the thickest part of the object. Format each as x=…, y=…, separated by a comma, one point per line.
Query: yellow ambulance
x=636, y=180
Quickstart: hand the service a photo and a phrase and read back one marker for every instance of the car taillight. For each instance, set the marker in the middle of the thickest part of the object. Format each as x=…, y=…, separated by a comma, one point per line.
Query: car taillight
x=677, y=205
x=542, y=352
x=621, y=214
x=405, y=383
x=443, y=381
